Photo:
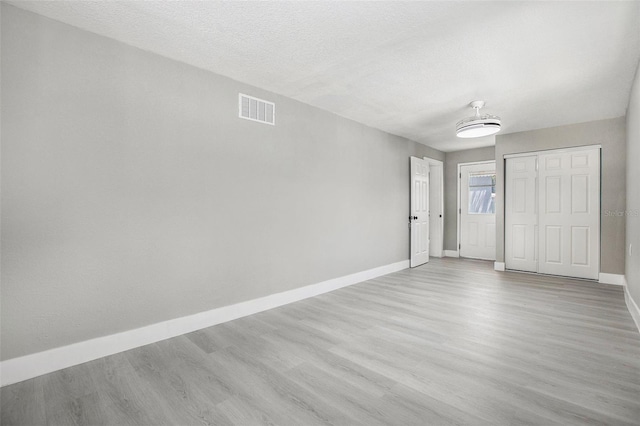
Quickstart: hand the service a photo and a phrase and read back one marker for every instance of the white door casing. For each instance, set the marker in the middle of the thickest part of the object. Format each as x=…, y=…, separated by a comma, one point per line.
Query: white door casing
x=569, y=216
x=477, y=230
x=436, y=203
x=419, y=214
x=521, y=220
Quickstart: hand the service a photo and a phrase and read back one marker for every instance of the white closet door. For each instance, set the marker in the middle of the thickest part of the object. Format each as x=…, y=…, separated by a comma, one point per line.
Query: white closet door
x=569, y=213
x=521, y=221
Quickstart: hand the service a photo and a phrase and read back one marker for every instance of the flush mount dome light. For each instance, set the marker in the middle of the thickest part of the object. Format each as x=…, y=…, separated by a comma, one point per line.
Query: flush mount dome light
x=478, y=125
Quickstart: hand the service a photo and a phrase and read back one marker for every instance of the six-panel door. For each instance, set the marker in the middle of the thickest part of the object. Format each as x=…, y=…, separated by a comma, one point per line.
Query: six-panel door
x=569, y=213
x=521, y=220
x=419, y=219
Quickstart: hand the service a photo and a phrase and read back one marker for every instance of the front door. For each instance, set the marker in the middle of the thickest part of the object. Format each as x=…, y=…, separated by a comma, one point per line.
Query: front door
x=478, y=211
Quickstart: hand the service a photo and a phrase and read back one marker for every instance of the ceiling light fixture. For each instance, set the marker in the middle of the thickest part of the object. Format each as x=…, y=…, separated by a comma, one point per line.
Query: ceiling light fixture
x=478, y=125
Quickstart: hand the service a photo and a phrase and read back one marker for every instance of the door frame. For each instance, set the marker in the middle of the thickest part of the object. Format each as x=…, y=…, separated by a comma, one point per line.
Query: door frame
x=458, y=211
x=553, y=151
x=440, y=242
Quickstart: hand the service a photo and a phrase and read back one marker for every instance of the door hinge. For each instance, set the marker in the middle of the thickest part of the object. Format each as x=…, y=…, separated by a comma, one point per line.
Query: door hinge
x=459, y=246
x=460, y=211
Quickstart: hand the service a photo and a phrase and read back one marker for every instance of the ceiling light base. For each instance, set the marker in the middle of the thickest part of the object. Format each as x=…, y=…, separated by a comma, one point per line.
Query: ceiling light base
x=478, y=125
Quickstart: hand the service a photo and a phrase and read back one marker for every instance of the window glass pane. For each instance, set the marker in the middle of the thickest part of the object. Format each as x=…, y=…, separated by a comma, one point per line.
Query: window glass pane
x=482, y=193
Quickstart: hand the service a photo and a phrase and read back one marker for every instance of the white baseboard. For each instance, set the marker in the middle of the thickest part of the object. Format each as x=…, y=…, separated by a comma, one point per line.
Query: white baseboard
x=34, y=365
x=632, y=306
x=615, y=279
x=451, y=253
x=499, y=266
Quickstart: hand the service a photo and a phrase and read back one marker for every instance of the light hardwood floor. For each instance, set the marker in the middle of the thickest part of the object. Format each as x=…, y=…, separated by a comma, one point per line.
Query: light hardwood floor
x=451, y=342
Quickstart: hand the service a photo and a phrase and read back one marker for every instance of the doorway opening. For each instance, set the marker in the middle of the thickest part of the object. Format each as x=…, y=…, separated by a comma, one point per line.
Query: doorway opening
x=436, y=207
x=426, y=218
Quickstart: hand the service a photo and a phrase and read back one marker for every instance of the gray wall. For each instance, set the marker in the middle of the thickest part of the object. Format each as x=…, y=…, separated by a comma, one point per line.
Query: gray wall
x=132, y=193
x=611, y=135
x=452, y=159
x=632, y=271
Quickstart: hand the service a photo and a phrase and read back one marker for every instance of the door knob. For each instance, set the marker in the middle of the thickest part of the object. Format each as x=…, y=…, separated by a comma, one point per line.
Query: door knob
x=415, y=218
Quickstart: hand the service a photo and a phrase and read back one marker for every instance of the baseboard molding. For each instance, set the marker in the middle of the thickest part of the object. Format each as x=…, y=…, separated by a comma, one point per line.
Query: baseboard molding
x=632, y=306
x=26, y=367
x=499, y=266
x=615, y=279
x=451, y=253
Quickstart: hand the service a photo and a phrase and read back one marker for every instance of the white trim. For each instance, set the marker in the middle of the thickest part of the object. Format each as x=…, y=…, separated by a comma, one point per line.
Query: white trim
x=498, y=266
x=451, y=253
x=458, y=176
x=433, y=161
x=552, y=151
x=34, y=365
x=440, y=243
x=632, y=305
x=614, y=279
x=473, y=163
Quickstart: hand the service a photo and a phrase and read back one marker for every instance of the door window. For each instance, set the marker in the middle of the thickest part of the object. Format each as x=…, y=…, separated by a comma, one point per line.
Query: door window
x=482, y=193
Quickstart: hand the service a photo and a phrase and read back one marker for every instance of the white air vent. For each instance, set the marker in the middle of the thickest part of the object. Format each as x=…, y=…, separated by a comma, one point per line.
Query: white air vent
x=255, y=109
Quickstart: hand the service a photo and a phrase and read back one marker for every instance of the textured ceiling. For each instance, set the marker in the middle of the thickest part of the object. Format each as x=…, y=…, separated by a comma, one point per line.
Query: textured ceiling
x=408, y=68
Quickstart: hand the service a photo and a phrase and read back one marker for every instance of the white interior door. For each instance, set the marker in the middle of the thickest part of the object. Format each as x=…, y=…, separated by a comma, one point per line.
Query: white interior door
x=419, y=219
x=477, y=211
x=569, y=217
x=521, y=220
x=436, y=202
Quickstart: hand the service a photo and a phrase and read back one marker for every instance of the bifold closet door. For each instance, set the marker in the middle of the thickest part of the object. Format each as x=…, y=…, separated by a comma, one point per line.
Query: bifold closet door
x=521, y=222
x=569, y=213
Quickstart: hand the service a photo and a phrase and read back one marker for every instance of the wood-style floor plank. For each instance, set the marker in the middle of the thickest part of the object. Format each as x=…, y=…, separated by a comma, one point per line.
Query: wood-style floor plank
x=451, y=342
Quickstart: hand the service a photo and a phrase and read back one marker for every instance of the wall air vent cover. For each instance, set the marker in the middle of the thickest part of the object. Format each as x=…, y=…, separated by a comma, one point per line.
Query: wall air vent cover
x=255, y=109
